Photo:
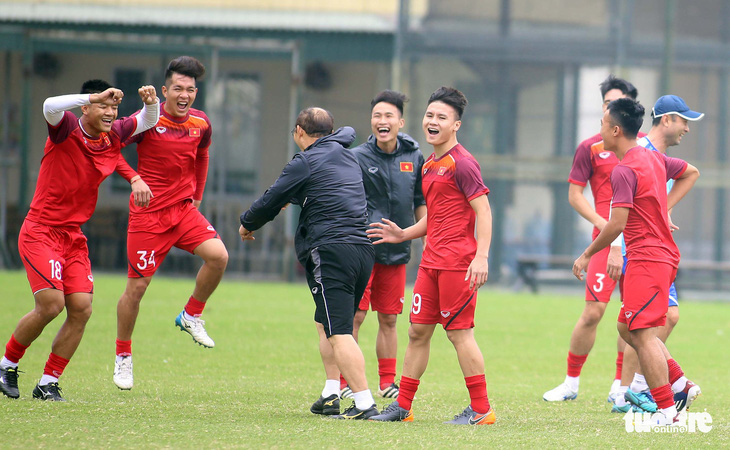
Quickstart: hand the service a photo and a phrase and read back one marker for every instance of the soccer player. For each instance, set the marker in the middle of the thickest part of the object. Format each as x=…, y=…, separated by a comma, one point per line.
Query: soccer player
x=391, y=170
x=639, y=209
x=670, y=121
x=331, y=243
x=593, y=164
x=173, y=159
x=79, y=154
x=454, y=263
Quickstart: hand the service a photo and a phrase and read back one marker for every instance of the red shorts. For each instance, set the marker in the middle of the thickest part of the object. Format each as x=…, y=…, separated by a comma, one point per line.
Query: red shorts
x=443, y=296
x=646, y=294
x=386, y=289
x=55, y=258
x=599, y=285
x=150, y=236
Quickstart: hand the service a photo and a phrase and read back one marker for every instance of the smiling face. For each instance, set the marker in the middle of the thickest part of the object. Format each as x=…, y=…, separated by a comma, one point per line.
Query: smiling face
x=180, y=92
x=385, y=123
x=676, y=127
x=98, y=117
x=440, y=124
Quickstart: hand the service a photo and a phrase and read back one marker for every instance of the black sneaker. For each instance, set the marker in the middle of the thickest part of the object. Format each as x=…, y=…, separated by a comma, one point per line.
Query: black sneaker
x=394, y=413
x=353, y=413
x=9, y=382
x=50, y=391
x=328, y=406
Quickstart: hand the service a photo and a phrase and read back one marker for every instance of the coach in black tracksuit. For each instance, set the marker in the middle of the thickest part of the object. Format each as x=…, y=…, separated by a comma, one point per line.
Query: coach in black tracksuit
x=331, y=243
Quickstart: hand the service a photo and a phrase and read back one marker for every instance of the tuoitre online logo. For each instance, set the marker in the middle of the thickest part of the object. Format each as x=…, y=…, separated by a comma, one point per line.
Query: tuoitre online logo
x=688, y=422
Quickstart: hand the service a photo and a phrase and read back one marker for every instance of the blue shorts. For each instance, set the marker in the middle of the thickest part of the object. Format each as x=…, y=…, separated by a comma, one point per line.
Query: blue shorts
x=673, y=298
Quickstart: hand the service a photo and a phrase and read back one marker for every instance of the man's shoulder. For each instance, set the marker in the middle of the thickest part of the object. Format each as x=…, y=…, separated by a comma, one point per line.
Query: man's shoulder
x=591, y=142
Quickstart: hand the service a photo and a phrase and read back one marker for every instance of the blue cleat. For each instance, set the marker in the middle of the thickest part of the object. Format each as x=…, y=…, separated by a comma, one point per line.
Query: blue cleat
x=642, y=400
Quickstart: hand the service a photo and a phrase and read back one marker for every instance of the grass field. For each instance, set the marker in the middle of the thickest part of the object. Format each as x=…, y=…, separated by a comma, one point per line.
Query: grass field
x=255, y=387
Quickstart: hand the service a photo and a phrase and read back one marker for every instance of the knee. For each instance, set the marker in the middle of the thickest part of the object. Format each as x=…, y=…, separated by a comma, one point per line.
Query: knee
x=591, y=317
x=672, y=317
x=49, y=310
x=387, y=321
x=219, y=259
x=135, y=291
x=417, y=337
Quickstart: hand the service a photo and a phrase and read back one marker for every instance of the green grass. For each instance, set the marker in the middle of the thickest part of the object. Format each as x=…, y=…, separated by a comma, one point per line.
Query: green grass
x=255, y=387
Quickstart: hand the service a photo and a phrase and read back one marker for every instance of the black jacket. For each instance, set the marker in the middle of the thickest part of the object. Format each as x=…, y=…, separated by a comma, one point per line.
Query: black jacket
x=325, y=180
x=393, y=186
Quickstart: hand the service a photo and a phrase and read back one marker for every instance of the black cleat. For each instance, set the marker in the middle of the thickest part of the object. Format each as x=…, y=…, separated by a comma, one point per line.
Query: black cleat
x=9, y=382
x=353, y=413
x=50, y=392
x=394, y=413
x=327, y=406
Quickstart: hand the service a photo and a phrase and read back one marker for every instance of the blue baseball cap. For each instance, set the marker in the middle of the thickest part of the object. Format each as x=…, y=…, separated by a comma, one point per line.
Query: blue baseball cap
x=672, y=104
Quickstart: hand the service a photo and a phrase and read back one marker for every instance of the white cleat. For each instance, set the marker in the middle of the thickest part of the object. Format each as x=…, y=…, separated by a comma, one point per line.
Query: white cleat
x=560, y=393
x=195, y=328
x=123, y=377
x=614, y=391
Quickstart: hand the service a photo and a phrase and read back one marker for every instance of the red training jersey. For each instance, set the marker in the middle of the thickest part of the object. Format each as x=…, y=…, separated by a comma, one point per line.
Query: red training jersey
x=640, y=183
x=593, y=163
x=73, y=166
x=173, y=159
x=449, y=184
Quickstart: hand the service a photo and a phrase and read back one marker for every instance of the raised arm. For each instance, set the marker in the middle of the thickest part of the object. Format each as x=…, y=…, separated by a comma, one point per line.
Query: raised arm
x=150, y=114
x=54, y=107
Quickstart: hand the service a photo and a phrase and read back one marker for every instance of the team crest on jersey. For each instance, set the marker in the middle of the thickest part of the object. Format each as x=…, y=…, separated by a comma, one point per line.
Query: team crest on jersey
x=210, y=227
x=425, y=170
x=160, y=129
x=194, y=132
x=442, y=170
x=604, y=155
x=406, y=166
x=372, y=169
x=445, y=314
x=90, y=277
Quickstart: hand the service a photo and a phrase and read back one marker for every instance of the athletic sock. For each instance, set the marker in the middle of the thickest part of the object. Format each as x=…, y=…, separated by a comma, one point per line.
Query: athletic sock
x=5, y=363
x=408, y=388
x=331, y=387
x=343, y=382
x=14, y=351
x=664, y=397
x=194, y=307
x=575, y=364
x=477, y=385
x=363, y=399
x=572, y=382
x=386, y=370
x=676, y=376
x=638, y=384
x=47, y=379
x=54, y=368
x=670, y=413
x=620, y=399
x=124, y=348
x=619, y=365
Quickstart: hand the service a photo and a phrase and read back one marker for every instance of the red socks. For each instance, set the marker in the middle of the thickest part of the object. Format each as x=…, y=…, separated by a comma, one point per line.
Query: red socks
x=408, y=388
x=386, y=370
x=194, y=307
x=619, y=365
x=124, y=348
x=663, y=396
x=675, y=372
x=477, y=385
x=343, y=383
x=575, y=364
x=55, y=365
x=14, y=350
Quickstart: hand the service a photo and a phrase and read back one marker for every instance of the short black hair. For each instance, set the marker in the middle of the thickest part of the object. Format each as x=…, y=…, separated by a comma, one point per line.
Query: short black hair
x=316, y=122
x=627, y=114
x=452, y=97
x=185, y=65
x=395, y=98
x=94, y=87
x=612, y=82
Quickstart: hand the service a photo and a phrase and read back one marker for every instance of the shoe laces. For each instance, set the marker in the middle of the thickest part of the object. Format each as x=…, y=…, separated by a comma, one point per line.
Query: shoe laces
x=54, y=388
x=466, y=413
x=391, y=407
x=349, y=409
x=125, y=366
x=11, y=376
